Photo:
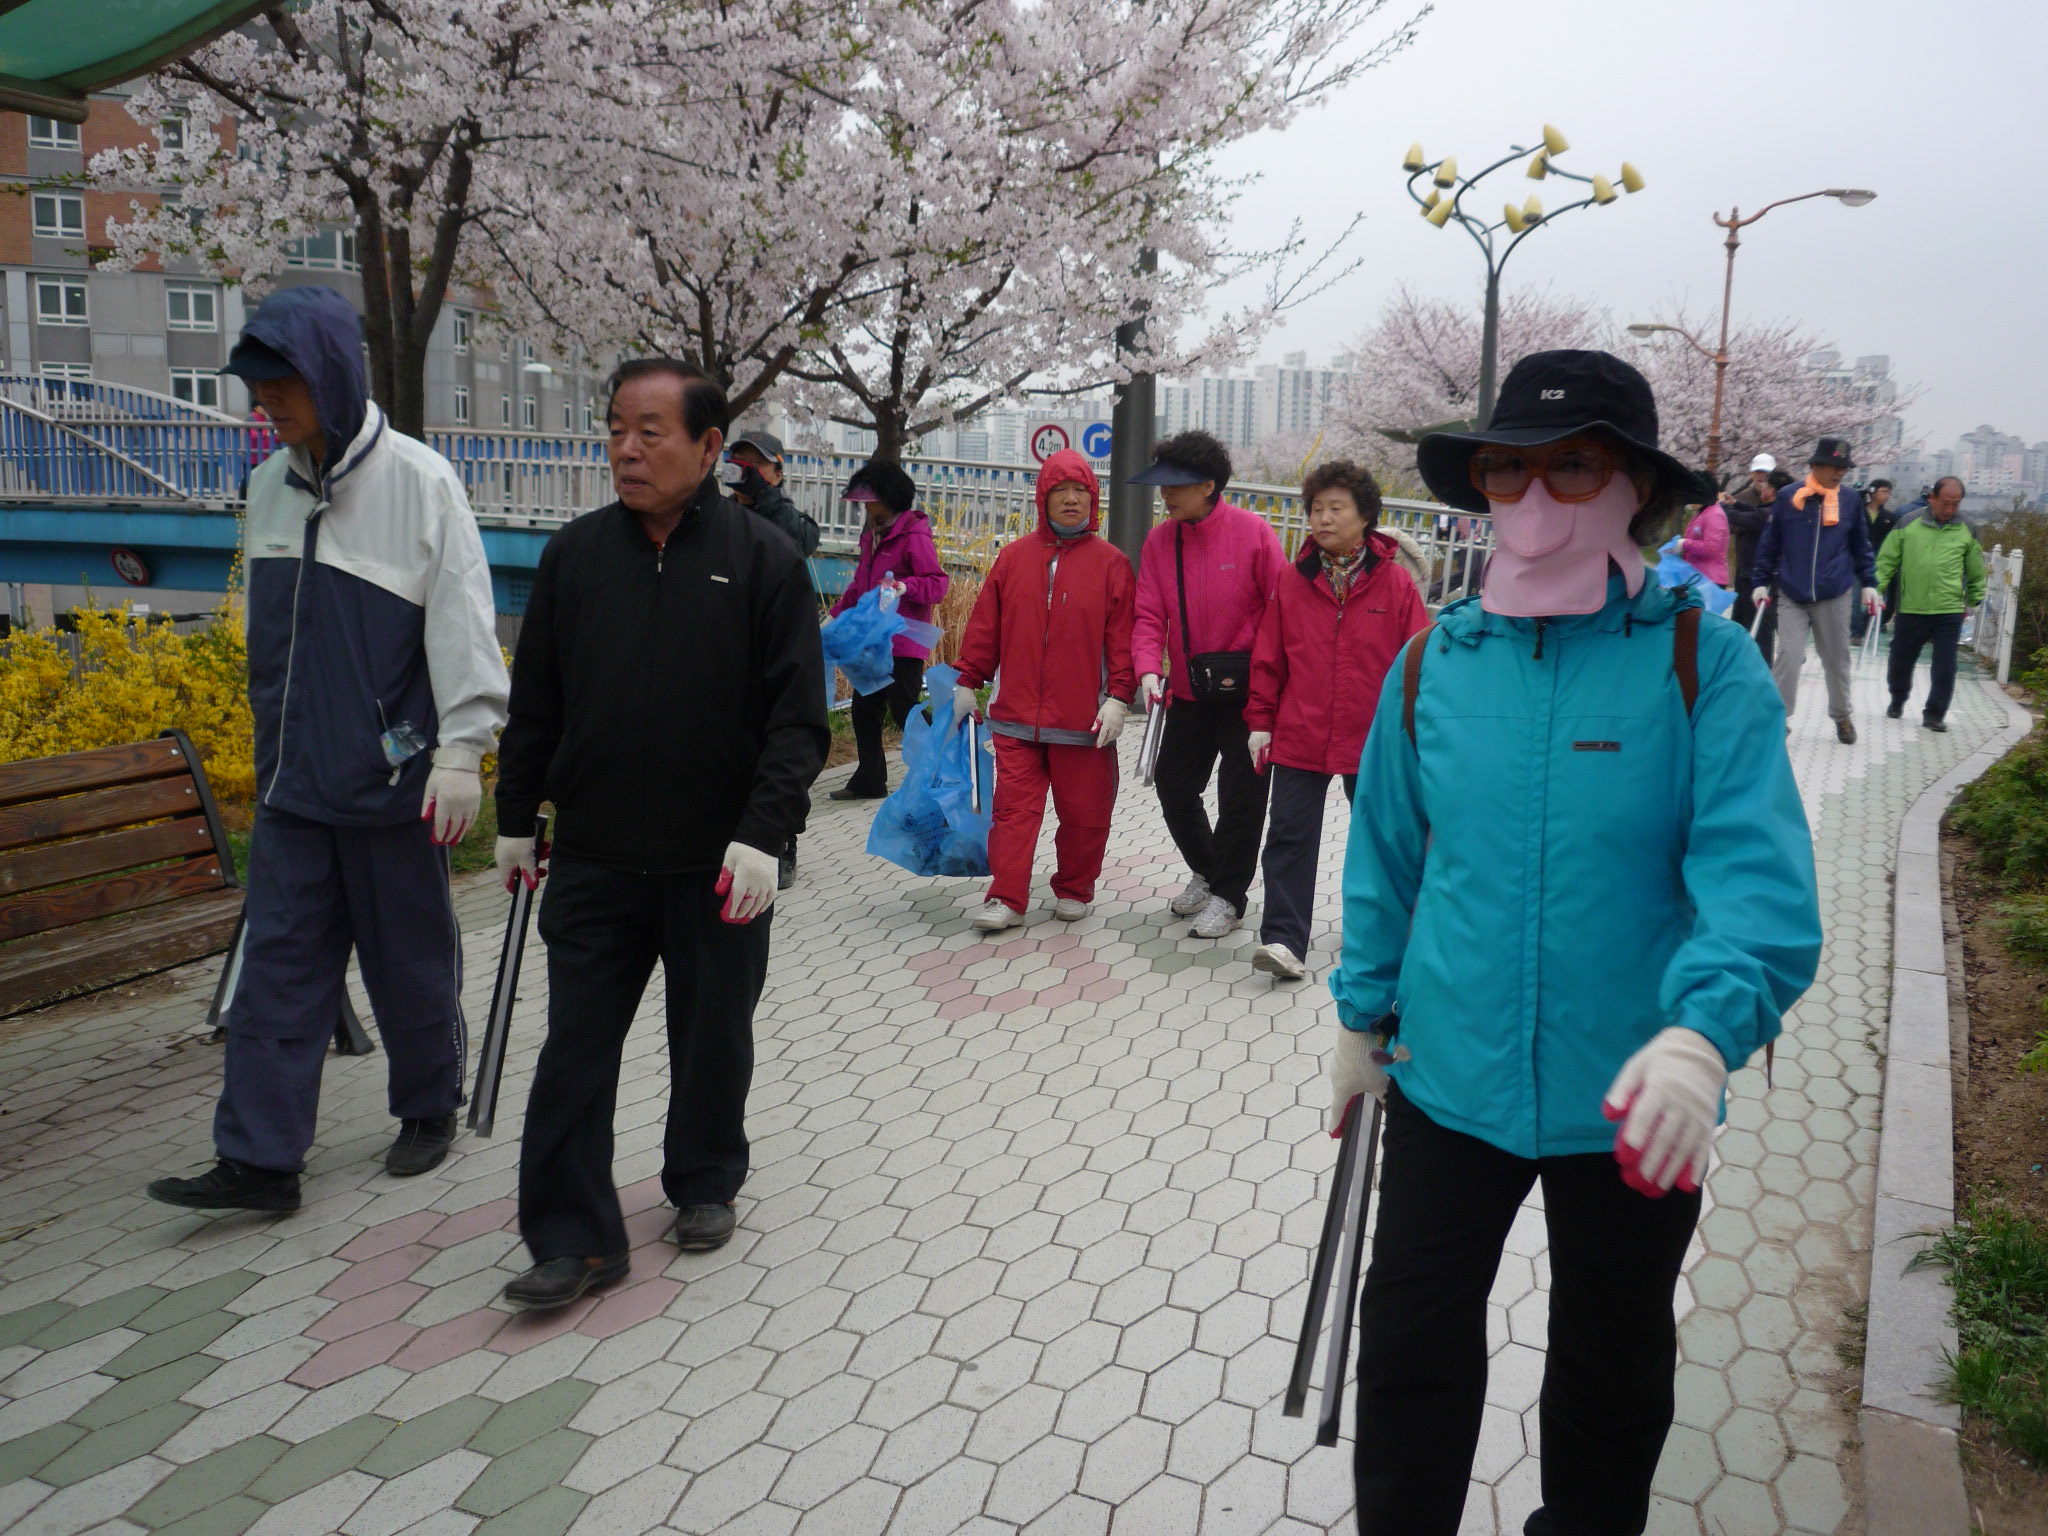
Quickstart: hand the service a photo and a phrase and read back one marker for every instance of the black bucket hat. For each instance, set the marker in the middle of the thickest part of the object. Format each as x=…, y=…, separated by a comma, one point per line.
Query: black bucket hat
x=1833, y=452
x=1547, y=397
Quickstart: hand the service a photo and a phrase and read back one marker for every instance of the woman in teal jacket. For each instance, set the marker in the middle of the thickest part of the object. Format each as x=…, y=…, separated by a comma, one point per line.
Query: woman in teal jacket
x=1579, y=890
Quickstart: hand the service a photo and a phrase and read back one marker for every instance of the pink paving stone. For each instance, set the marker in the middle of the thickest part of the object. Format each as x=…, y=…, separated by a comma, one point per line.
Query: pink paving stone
x=1059, y=997
x=444, y=1341
x=644, y=1227
x=939, y=975
x=642, y=1194
x=387, y=1235
x=530, y=1328
x=1012, y=1000
x=946, y=993
x=973, y=952
x=351, y=1356
x=491, y=1216
x=1059, y=943
x=927, y=960
x=366, y=1312
x=1082, y=975
x=962, y=1007
x=1102, y=991
x=622, y=1309
x=375, y=1274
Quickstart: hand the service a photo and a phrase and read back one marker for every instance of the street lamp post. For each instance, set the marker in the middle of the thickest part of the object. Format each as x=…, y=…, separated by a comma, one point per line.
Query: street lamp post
x=1848, y=197
x=1444, y=204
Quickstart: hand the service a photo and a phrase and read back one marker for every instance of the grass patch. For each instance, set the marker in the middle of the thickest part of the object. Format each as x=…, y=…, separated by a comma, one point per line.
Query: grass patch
x=2006, y=811
x=1997, y=1261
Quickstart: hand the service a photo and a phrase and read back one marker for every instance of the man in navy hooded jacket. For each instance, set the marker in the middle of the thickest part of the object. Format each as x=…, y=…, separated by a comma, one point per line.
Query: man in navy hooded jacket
x=376, y=685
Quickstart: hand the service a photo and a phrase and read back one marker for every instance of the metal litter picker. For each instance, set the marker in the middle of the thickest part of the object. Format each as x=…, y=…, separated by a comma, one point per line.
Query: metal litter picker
x=1338, y=1261
x=490, y=1061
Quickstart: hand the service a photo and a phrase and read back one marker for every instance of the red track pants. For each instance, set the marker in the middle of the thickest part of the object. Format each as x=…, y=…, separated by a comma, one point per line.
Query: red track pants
x=1083, y=784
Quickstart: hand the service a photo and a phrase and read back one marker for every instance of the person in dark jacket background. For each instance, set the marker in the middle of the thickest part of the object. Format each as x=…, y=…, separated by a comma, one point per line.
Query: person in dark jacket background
x=1877, y=507
x=896, y=550
x=376, y=687
x=1748, y=510
x=667, y=696
x=754, y=474
x=1816, y=552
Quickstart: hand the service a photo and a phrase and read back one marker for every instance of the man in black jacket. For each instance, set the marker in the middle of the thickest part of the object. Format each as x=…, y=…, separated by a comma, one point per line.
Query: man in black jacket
x=668, y=696
x=1747, y=511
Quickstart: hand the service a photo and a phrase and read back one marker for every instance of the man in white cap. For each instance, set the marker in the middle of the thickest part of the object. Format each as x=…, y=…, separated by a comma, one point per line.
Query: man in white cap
x=1748, y=510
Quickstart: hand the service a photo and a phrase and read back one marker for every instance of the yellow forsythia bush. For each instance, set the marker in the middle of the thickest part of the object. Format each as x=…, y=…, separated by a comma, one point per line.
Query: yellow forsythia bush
x=132, y=680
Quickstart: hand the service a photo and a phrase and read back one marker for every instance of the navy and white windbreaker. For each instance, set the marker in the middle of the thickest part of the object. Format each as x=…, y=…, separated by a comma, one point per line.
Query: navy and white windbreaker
x=370, y=600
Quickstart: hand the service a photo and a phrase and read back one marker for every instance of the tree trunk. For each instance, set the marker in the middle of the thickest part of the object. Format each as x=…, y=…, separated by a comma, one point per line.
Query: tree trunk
x=889, y=434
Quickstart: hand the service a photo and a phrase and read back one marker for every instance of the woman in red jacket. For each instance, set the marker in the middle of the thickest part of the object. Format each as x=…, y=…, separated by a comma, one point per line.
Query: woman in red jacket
x=1333, y=627
x=1054, y=616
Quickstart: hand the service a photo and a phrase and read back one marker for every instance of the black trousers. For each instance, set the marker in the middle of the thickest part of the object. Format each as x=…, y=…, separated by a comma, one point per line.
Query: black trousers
x=605, y=929
x=1294, y=840
x=871, y=772
x=1944, y=631
x=1744, y=613
x=1198, y=732
x=1446, y=1201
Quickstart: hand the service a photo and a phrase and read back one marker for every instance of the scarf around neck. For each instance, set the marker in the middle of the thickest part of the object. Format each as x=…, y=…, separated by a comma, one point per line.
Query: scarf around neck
x=1831, y=508
x=1343, y=570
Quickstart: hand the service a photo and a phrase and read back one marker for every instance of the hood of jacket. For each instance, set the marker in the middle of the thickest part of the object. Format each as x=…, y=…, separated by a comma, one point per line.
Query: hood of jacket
x=1063, y=468
x=1378, y=547
x=318, y=332
x=1467, y=623
x=901, y=526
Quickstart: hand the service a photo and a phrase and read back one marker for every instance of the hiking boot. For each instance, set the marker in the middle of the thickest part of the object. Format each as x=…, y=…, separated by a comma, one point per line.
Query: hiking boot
x=1217, y=918
x=1068, y=910
x=1192, y=898
x=1933, y=723
x=700, y=1228
x=421, y=1144
x=1893, y=710
x=231, y=1186
x=1845, y=732
x=850, y=792
x=1278, y=960
x=785, y=867
x=994, y=916
x=557, y=1282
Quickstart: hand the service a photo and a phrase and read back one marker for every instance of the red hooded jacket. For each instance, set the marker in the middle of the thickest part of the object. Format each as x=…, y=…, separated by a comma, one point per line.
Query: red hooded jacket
x=1054, y=615
x=1317, y=667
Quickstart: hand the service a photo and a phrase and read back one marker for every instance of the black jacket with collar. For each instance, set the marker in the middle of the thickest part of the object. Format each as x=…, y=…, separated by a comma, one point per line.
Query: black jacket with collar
x=668, y=700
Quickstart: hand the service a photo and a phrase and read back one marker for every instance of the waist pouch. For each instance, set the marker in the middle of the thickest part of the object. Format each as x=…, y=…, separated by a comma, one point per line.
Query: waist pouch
x=1212, y=674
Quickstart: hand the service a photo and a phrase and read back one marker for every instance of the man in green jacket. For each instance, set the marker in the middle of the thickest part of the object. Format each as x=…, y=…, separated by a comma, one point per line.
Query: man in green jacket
x=1940, y=568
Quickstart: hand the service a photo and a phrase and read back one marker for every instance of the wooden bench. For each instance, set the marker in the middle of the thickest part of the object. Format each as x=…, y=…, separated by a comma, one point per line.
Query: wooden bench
x=113, y=864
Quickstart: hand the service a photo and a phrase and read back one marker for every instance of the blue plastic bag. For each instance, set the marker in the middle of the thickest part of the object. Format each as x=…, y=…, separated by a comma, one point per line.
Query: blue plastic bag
x=929, y=825
x=1675, y=571
x=858, y=643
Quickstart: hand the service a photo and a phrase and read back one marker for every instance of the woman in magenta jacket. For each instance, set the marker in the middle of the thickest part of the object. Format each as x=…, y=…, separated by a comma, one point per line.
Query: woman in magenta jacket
x=896, y=549
x=1333, y=628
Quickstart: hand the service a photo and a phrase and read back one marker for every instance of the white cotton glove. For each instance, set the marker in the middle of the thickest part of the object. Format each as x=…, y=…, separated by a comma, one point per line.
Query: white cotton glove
x=1151, y=689
x=1260, y=745
x=1353, y=1071
x=1760, y=596
x=1109, y=721
x=965, y=702
x=1873, y=600
x=520, y=858
x=454, y=794
x=1668, y=1099
x=747, y=882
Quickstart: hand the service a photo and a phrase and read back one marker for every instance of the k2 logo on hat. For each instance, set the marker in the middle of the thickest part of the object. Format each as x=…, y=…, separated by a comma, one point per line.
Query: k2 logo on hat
x=1553, y=394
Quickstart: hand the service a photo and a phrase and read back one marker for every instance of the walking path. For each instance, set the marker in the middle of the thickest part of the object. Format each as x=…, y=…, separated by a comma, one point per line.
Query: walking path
x=1024, y=1249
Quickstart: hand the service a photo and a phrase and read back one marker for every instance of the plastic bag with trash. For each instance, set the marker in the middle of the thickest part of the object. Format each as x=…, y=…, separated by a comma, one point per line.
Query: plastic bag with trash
x=930, y=825
x=1673, y=570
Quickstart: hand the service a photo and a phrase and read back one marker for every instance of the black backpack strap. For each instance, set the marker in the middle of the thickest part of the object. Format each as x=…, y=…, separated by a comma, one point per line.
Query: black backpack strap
x=1180, y=579
x=1411, y=678
x=1685, y=656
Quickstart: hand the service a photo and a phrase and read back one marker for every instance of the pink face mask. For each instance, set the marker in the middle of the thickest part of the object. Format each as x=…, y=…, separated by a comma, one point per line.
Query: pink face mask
x=1551, y=557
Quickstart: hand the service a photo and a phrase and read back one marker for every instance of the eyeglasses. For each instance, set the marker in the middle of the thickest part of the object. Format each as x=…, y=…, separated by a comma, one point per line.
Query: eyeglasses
x=1569, y=474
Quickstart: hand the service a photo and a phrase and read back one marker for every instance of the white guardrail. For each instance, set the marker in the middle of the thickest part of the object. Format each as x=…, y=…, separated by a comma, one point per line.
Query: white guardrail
x=1998, y=614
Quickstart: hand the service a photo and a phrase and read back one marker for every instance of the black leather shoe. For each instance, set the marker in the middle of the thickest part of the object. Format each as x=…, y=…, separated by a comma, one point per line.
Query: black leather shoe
x=1539, y=1524
x=421, y=1144
x=1845, y=732
x=848, y=792
x=557, y=1282
x=231, y=1186
x=700, y=1228
x=785, y=868
x=1933, y=723
x=1893, y=711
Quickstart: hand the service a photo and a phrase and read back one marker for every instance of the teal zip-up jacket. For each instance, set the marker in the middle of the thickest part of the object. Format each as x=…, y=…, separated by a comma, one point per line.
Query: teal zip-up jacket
x=1563, y=864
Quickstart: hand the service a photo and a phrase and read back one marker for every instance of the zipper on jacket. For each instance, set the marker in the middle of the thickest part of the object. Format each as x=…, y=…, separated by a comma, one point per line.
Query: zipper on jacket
x=1539, y=639
x=291, y=650
x=1052, y=575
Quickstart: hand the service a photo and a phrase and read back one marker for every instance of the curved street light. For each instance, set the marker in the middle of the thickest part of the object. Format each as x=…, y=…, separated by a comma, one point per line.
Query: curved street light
x=1444, y=204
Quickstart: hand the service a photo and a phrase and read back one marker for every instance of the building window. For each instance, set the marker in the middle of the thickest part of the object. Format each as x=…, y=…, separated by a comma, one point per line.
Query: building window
x=48, y=133
x=59, y=215
x=504, y=410
x=565, y=415
x=461, y=328
x=192, y=309
x=462, y=405
x=61, y=301
x=332, y=250
x=196, y=386
x=171, y=133
x=589, y=416
x=529, y=412
x=73, y=373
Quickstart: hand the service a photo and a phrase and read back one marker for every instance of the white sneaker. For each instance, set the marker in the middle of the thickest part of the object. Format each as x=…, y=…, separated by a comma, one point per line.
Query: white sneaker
x=994, y=916
x=1192, y=898
x=1278, y=960
x=1068, y=910
x=1218, y=918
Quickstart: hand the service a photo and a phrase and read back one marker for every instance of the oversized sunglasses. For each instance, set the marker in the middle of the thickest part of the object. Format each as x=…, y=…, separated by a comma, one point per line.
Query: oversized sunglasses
x=1569, y=474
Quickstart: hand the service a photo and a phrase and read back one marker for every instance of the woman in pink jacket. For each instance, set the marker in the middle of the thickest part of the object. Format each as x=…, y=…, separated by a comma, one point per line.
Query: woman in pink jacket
x=1333, y=628
x=1203, y=581
x=1705, y=545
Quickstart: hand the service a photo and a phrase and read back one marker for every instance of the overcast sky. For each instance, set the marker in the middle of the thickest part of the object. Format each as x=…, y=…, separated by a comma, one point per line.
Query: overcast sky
x=1937, y=105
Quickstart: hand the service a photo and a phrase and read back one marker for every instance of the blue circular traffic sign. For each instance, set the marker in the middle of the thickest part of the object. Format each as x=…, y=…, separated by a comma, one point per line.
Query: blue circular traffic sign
x=1095, y=440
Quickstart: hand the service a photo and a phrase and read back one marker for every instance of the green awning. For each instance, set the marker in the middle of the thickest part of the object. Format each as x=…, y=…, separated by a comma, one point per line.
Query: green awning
x=52, y=52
